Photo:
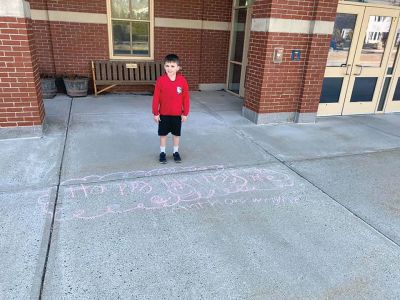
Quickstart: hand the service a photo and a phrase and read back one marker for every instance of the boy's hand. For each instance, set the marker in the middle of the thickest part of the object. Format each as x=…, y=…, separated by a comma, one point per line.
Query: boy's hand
x=156, y=118
x=184, y=118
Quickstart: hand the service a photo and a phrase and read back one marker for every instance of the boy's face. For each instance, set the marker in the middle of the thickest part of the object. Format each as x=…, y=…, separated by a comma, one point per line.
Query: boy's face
x=171, y=67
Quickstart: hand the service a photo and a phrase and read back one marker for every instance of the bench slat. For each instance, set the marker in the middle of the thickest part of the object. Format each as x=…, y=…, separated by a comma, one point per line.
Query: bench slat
x=97, y=69
x=103, y=72
x=109, y=75
x=137, y=74
x=114, y=71
x=142, y=76
x=126, y=76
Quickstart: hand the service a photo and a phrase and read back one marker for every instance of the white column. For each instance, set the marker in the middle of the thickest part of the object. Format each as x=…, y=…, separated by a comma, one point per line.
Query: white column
x=15, y=8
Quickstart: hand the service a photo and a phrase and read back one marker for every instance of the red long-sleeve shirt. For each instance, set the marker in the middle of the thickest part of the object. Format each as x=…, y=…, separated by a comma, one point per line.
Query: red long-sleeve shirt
x=171, y=98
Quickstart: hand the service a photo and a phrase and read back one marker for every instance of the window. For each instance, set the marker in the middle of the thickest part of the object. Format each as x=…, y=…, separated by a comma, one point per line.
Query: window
x=131, y=29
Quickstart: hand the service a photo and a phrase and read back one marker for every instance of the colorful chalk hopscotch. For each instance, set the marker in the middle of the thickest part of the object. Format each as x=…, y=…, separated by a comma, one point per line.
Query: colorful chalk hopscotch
x=170, y=189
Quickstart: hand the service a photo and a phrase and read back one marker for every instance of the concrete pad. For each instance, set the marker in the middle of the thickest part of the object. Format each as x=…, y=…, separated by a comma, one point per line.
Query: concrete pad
x=234, y=118
x=55, y=125
x=219, y=101
x=248, y=233
x=112, y=104
x=24, y=236
x=367, y=184
x=30, y=162
x=59, y=105
x=388, y=123
x=329, y=137
x=99, y=145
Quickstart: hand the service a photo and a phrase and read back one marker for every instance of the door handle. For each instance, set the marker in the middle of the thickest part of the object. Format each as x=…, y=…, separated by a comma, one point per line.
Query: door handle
x=347, y=68
x=361, y=68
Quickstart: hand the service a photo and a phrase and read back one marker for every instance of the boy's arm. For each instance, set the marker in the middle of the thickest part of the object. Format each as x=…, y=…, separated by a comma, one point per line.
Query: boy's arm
x=156, y=99
x=186, y=100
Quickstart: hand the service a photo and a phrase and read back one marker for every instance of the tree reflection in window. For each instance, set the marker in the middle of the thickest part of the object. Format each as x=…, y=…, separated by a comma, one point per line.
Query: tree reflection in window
x=130, y=21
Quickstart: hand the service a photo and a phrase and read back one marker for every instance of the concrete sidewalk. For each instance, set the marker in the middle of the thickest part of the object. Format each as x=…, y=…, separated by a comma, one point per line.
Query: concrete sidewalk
x=289, y=211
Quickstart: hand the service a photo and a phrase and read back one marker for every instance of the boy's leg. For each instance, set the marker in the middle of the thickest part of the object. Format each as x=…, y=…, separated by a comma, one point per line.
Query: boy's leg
x=175, y=140
x=163, y=143
x=176, y=155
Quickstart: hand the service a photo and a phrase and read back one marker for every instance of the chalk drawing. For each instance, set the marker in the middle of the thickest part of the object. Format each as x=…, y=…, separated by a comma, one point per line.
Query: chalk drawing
x=173, y=192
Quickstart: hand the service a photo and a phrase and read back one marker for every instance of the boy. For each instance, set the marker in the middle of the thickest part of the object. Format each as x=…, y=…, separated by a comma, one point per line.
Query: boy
x=170, y=105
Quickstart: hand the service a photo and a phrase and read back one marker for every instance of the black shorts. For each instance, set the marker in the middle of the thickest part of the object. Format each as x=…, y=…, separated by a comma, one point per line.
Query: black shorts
x=169, y=124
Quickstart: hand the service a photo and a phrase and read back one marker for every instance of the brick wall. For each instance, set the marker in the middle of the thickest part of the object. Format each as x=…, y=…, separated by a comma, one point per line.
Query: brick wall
x=291, y=86
x=20, y=94
x=204, y=53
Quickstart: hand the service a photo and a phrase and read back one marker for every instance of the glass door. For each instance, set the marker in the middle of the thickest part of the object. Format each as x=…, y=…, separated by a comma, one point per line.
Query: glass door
x=369, y=67
x=240, y=33
x=392, y=78
x=340, y=61
x=360, y=62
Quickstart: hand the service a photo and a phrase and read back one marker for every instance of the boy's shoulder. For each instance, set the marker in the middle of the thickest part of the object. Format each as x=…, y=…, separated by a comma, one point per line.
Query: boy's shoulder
x=181, y=77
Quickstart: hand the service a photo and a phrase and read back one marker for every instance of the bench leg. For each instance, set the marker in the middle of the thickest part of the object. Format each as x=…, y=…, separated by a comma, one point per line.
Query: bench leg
x=105, y=89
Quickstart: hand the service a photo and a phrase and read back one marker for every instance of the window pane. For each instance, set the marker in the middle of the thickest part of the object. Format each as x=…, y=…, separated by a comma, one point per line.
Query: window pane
x=375, y=41
x=120, y=9
x=243, y=2
x=331, y=88
x=140, y=9
x=363, y=90
x=393, y=53
x=342, y=37
x=396, y=96
x=121, y=42
x=238, y=34
x=384, y=93
x=140, y=38
x=234, y=78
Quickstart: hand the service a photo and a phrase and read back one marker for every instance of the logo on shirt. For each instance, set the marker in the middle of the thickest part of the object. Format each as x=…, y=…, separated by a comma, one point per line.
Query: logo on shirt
x=178, y=90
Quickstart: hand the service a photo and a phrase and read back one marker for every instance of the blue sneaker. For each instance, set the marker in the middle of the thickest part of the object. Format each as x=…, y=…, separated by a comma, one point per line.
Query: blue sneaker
x=177, y=157
x=163, y=158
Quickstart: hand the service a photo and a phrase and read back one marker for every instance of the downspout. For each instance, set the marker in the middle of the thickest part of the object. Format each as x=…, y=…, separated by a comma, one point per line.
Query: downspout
x=51, y=38
x=311, y=33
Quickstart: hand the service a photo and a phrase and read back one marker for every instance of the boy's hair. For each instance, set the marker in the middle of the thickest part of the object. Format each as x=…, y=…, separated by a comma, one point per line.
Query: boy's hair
x=172, y=58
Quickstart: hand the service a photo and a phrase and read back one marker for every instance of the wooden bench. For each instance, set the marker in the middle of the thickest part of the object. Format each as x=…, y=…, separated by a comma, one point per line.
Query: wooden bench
x=112, y=73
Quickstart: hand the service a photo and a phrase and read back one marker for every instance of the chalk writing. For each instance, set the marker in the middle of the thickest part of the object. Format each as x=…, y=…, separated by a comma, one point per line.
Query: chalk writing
x=173, y=192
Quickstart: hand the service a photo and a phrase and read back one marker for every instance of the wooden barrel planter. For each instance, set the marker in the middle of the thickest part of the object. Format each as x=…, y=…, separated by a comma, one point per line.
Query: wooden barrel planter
x=76, y=87
x=49, y=89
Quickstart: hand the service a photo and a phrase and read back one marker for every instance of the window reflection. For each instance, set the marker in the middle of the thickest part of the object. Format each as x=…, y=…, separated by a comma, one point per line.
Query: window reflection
x=393, y=53
x=130, y=20
x=342, y=37
x=375, y=41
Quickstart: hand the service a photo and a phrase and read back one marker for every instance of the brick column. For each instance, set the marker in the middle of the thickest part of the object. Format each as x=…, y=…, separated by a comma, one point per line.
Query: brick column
x=288, y=91
x=21, y=104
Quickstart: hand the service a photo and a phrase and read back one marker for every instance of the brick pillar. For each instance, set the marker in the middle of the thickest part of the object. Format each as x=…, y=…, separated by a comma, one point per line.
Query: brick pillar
x=21, y=104
x=288, y=91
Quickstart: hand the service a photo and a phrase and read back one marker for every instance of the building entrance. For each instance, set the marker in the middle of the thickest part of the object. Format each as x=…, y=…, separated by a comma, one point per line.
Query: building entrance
x=240, y=33
x=362, y=70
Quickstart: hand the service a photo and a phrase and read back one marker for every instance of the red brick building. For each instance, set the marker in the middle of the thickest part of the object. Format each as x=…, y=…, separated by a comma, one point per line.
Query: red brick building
x=290, y=60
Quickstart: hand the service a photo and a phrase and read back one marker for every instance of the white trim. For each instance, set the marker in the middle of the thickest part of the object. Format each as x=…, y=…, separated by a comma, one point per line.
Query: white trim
x=191, y=24
x=211, y=86
x=68, y=16
x=292, y=26
x=178, y=23
x=213, y=25
x=78, y=17
x=15, y=8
